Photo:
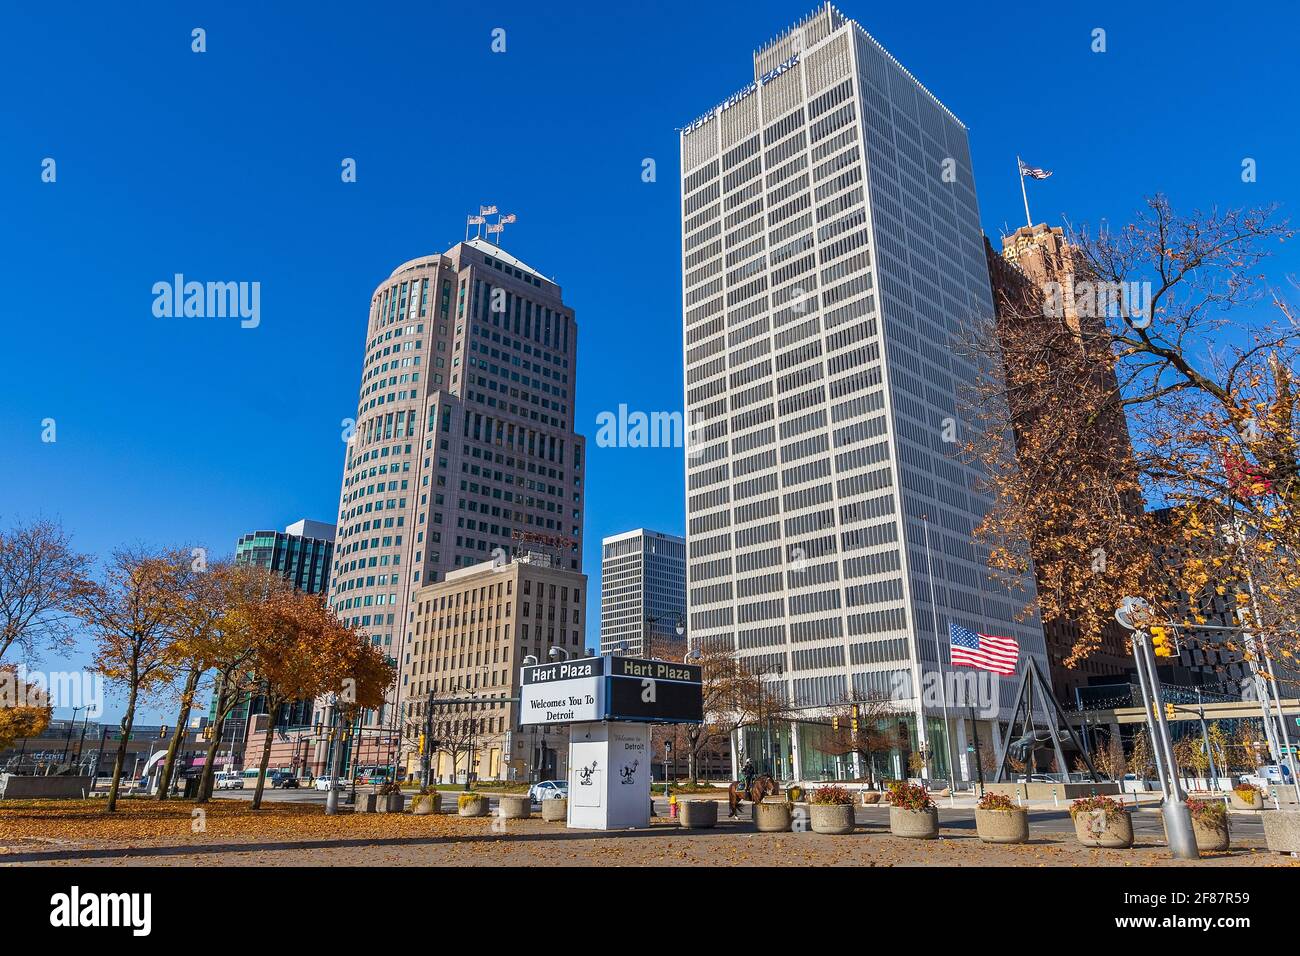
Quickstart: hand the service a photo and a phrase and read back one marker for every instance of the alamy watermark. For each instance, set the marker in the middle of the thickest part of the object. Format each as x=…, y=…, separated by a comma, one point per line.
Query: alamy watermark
x=626, y=428
x=1130, y=301
x=208, y=300
x=82, y=690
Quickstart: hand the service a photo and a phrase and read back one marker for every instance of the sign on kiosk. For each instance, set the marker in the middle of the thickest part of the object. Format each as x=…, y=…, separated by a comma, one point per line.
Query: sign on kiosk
x=563, y=693
x=625, y=689
x=609, y=703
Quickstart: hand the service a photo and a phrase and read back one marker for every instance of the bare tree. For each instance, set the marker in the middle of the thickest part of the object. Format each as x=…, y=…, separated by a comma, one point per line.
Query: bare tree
x=41, y=580
x=865, y=725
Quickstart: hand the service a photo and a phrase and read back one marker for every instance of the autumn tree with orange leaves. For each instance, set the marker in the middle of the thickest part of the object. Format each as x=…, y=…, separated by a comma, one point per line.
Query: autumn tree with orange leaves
x=303, y=652
x=1199, y=375
x=132, y=615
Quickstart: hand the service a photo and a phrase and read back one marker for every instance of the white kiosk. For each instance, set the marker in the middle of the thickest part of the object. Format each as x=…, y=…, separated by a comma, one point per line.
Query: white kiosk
x=609, y=704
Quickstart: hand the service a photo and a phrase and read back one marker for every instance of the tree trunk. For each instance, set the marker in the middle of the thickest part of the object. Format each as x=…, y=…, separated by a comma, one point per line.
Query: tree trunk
x=210, y=765
x=128, y=721
x=182, y=718
x=272, y=712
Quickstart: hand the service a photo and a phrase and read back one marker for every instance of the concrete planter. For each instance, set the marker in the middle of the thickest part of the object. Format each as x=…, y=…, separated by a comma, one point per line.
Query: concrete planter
x=556, y=810
x=514, y=807
x=366, y=802
x=476, y=807
x=870, y=798
x=914, y=824
x=1002, y=826
x=1211, y=839
x=772, y=815
x=424, y=804
x=698, y=814
x=831, y=817
x=1095, y=828
x=1254, y=802
x=1282, y=831
x=390, y=803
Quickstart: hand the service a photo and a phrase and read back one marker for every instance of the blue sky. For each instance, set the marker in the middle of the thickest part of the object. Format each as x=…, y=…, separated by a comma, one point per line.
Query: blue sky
x=225, y=165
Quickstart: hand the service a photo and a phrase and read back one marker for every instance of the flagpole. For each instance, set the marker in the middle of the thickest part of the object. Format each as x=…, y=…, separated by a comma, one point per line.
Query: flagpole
x=938, y=655
x=1020, y=171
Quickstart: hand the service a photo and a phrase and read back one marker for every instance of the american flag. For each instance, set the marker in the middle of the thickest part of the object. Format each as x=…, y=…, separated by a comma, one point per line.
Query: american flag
x=988, y=653
x=1033, y=172
x=486, y=210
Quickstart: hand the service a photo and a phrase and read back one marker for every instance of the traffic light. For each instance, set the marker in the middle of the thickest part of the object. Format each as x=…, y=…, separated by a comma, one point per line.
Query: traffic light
x=835, y=724
x=1169, y=712
x=421, y=745
x=853, y=716
x=1162, y=642
x=162, y=732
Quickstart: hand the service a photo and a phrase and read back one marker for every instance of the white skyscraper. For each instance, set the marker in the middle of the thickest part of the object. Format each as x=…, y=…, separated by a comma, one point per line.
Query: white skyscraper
x=642, y=590
x=831, y=252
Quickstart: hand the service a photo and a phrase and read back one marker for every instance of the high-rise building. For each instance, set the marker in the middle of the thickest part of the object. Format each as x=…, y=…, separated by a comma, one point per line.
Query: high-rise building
x=471, y=633
x=463, y=447
x=301, y=553
x=642, y=592
x=832, y=254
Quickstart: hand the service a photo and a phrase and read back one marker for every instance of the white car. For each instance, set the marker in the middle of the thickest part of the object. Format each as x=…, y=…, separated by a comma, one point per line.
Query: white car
x=547, y=790
x=328, y=783
x=229, y=780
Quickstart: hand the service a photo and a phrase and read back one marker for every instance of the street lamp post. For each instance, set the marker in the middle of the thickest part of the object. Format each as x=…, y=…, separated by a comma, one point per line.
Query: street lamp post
x=332, y=799
x=1134, y=614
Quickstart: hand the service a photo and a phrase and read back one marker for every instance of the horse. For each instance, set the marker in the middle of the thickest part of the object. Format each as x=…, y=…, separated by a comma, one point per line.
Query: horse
x=764, y=786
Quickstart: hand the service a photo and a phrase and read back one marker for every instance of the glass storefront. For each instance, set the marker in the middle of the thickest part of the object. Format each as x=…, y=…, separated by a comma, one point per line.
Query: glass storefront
x=769, y=747
x=774, y=749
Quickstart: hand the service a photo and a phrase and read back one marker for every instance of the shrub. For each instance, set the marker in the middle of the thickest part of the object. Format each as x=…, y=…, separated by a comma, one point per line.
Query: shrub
x=1247, y=790
x=996, y=801
x=467, y=798
x=909, y=796
x=831, y=796
x=1208, y=813
x=428, y=791
x=1108, y=806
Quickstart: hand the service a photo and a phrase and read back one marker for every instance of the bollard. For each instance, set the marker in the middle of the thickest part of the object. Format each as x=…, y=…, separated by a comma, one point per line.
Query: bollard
x=1056, y=800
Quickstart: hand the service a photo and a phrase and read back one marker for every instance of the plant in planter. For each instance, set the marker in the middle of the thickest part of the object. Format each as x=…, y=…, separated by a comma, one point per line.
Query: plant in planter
x=831, y=809
x=999, y=820
x=426, y=802
x=390, y=799
x=911, y=812
x=1247, y=796
x=1209, y=823
x=472, y=805
x=1102, y=822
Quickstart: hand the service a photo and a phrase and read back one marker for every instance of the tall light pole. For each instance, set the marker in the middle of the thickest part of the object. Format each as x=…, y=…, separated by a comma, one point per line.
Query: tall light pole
x=1134, y=614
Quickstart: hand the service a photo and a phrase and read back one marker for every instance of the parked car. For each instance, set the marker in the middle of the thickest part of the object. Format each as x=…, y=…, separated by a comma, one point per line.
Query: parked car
x=229, y=780
x=547, y=789
x=281, y=778
x=289, y=782
x=327, y=782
